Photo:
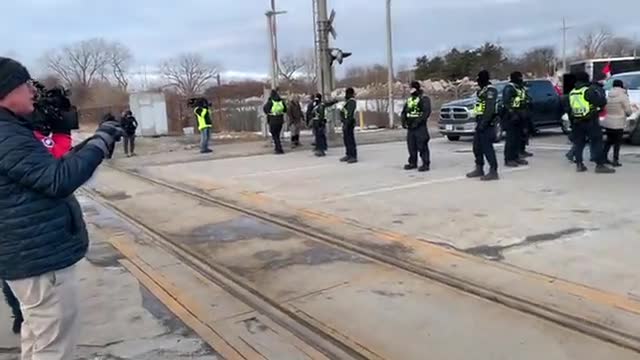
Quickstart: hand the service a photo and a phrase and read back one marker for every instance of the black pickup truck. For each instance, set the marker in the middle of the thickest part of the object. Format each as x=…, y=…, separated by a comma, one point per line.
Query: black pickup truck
x=456, y=117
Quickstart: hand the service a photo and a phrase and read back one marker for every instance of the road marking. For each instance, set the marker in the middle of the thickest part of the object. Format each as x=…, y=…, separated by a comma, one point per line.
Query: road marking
x=412, y=185
x=283, y=171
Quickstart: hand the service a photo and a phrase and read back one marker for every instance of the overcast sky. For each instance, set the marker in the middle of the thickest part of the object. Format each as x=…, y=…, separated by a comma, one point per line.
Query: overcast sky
x=233, y=32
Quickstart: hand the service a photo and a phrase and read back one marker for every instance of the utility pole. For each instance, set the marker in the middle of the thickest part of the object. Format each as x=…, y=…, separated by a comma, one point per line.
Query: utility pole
x=390, y=64
x=324, y=80
x=564, y=44
x=326, y=57
x=275, y=40
x=324, y=60
x=273, y=43
x=316, y=44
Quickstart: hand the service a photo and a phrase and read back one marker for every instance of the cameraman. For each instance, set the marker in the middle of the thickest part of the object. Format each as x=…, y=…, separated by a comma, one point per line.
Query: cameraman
x=43, y=232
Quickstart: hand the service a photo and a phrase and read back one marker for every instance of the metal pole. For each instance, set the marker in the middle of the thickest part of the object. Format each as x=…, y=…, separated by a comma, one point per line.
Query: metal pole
x=271, y=50
x=323, y=49
x=325, y=84
x=316, y=48
x=276, y=59
x=564, y=45
x=390, y=64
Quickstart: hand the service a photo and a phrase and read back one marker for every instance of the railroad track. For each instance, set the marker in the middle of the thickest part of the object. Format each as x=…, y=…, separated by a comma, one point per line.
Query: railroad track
x=323, y=339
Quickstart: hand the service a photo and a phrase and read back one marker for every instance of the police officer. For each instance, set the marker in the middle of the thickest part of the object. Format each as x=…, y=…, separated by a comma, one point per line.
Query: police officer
x=584, y=103
x=275, y=110
x=485, y=135
x=203, y=115
x=348, y=127
x=514, y=98
x=415, y=114
x=319, y=123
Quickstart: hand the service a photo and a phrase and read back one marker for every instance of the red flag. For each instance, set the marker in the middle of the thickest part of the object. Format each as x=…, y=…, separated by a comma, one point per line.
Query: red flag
x=607, y=70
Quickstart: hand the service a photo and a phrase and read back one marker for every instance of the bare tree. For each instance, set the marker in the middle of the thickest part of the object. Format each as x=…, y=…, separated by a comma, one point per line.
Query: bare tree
x=591, y=44
x=291, y=66
x=120, y=59
x=619, y=46
x=538, y=61
x=310, y=68
x=80, y=63
x=189, y=73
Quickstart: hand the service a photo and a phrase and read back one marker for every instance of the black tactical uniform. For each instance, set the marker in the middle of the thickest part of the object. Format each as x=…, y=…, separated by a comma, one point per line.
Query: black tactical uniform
x=583, y=105
x=514, y=99
x=319, y=124
x=485, y=135
x=348, y=127
x=415, y=114
x=275, y=109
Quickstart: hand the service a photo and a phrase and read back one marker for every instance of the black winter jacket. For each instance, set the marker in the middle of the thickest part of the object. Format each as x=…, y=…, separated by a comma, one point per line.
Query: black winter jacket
x=425, y=105
x=41, y=224
x=267, y=110
x=595, y=95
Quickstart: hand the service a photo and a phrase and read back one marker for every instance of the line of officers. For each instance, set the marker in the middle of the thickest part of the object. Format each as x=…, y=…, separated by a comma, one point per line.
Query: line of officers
x=582, y=106
x=415, y=114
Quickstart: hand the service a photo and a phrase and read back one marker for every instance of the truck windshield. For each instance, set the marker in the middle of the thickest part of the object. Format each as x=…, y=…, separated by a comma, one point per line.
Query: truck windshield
x=631, y=81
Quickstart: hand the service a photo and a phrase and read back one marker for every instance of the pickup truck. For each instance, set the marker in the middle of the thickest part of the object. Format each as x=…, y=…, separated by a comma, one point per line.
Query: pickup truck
x=456, y=118
x=631, y=82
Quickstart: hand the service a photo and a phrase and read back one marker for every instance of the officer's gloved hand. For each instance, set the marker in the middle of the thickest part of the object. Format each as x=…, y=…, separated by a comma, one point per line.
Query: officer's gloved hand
x=106, y=136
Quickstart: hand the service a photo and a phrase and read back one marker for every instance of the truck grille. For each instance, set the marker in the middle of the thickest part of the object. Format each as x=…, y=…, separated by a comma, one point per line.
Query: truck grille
x=455, y=113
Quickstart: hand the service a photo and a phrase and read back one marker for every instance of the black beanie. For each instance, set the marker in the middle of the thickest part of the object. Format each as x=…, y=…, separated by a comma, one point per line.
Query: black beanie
x=415, y=85
x=350, y=92
x=484, y=76
x=12, y=75
x=516, y=76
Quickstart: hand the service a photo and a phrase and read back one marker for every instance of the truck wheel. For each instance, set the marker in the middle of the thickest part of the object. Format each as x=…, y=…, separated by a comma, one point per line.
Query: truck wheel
x=453, y=137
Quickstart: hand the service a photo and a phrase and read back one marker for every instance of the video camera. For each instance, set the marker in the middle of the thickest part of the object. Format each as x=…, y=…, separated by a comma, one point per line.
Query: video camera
x=198, y=102
x=53, y=110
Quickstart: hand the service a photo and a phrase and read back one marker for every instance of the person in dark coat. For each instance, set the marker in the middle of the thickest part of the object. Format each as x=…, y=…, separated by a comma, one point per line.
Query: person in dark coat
x=485, y=113
x=514, y=98
x=275, y=108
x=415, y=114
x=296, y=120
x=348, y=127
x=129, y=125
x=43, y=231
x=317, y=116
x=583, y=105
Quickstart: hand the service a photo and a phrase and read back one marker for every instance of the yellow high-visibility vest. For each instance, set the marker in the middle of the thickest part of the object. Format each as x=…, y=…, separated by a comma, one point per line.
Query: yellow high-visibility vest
x=202, y=122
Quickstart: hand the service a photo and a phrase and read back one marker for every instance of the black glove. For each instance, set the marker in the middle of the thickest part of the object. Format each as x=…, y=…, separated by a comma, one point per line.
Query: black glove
x=105, y=138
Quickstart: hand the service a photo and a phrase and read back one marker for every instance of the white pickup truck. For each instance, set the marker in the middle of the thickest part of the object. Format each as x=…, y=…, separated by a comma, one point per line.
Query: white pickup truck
x=631, y=82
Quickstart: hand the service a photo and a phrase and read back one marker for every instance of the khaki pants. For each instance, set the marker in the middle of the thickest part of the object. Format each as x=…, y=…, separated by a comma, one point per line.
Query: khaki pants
x=49, y=304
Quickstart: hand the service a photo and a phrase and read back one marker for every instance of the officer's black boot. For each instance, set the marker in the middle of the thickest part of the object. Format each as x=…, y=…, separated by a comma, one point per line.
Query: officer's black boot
x=410, y=166
x=522, y=162
x=344, y=158
x=424, y=167
x=580, y=167
x=478, y=172
x=492, y=175
x=603, y=169
x=511, y=164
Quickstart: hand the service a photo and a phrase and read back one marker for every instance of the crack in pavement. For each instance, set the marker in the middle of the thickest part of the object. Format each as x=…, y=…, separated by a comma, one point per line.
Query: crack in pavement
x=495, y=252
